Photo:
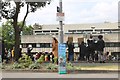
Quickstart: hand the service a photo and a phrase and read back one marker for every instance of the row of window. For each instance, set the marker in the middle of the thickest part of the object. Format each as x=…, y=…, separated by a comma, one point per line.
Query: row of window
x=97, y=30
x=49, y=45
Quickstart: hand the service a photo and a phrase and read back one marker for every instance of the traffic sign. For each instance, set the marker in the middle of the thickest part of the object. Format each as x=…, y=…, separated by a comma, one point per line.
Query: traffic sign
x=60, y=16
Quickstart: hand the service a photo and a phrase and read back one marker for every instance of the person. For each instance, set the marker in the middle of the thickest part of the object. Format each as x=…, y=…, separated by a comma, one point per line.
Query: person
x=70, y=51
x=100, y=48
x=20, y=55
x=29, y=49
x=36, y=56
x=13, y=53
x=91, y=49
x=55, y=47
x=9, y=55
x=82, y=51
x=0, y=51
x=106, y=56
x=6, y=55
x=3, y=51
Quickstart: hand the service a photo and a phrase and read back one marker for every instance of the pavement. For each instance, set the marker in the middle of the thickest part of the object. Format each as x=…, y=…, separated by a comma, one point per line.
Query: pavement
x=56, y=75
x=85, y=73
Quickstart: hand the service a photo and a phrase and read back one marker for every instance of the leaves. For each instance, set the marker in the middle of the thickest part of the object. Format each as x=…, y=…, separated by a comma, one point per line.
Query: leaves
x=8, y=33
x=35, y=66
x=25, y=60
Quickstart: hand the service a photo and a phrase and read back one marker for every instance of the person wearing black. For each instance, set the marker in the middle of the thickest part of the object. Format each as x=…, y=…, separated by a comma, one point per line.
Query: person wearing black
x=100, y=47
x=29, y=49
x=82, y=51
x=91, y=50
x=70, y=51
x=3, y=51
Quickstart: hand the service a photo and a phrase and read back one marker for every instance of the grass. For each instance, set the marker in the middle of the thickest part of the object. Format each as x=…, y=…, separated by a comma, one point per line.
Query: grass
x=82, y=67
x=109, y=67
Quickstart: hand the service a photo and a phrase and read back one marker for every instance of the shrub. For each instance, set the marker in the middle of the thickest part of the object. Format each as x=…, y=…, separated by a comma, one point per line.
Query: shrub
x=55, y=60
x=41, y=59
x=18, y=66
x=52, y=67
x=35, y=66
x=69, y=66
x=25, y=60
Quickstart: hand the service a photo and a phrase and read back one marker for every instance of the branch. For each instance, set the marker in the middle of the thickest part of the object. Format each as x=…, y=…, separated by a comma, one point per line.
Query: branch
x=15, y=17
x=25, y=17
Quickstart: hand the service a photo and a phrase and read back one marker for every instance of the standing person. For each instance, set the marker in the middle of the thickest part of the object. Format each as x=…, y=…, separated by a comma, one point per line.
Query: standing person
x=13, y=53
x=3, y=51
x=29, y=49
x=55, y=48
x=9, y=55
x=6, y=55
x=70, y=51
x=82, y=51
x=100, y=47
x=20, y=51
x=0, y=51
x=91, y=50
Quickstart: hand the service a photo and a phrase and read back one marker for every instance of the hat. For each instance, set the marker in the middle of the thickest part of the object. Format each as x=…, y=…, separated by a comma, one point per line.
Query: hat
x=53, y=36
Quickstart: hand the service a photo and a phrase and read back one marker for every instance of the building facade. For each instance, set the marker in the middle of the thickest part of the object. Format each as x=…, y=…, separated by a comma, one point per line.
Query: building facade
x=42, y=36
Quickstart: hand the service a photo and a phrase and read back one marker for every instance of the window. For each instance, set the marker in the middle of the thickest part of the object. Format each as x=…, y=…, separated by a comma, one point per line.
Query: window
x=42, y=45
x=54, y=31
x=38, y=31
x=38, y=45
x=24, y=45
x=112, y=44
x=46, y=31
x=47, y=45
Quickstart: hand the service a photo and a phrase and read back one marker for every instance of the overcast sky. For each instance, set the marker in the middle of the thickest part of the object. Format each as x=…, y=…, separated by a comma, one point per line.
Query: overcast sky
x=76, y=12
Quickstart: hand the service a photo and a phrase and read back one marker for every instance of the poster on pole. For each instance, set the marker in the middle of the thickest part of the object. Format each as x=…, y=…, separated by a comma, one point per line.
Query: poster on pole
x=62, y=58
x=60, y=17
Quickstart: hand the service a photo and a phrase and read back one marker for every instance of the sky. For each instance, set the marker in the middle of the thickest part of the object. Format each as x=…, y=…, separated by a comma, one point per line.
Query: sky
x=76, y=12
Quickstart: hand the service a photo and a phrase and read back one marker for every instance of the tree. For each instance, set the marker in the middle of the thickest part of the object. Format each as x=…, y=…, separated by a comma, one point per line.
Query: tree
x=12, y=12
x=0, y=31
x=7, y=32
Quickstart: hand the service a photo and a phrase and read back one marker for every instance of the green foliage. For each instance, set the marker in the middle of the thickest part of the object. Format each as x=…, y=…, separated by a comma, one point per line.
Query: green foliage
x=41, y=59
x=52, y=67
x=8, y=34
x=28, y=30
x=35, y=66
x=3, y=66
x=18, y=66
x=25, y=60
x=69, y=66
x=55, y=60
x=0, y=31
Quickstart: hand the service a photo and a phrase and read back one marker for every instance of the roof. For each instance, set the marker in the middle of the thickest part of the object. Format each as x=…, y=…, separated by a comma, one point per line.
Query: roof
x=80, y=26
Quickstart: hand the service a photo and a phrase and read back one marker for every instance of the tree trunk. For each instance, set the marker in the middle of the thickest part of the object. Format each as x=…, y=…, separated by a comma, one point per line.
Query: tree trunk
x=17, y=43
x=17, y=32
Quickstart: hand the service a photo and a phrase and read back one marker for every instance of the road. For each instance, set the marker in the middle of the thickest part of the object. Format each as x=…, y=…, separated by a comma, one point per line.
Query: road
x=56, y=75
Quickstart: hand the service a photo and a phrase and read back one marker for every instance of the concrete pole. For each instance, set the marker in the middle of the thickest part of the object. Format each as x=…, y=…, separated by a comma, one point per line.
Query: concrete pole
x=61, y=24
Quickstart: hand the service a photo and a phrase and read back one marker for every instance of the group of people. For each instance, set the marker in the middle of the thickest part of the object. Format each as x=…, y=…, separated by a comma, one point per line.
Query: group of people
x=8, y=55
x=90, y=51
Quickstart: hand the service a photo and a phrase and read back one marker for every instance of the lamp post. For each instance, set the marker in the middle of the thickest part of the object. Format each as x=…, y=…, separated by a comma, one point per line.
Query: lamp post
x=61, y=24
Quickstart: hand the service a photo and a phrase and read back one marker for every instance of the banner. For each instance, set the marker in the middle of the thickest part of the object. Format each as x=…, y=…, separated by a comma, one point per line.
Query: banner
x=62, y=58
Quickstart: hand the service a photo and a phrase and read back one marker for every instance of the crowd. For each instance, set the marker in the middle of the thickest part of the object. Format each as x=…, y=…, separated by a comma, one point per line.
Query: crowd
x=90, y=51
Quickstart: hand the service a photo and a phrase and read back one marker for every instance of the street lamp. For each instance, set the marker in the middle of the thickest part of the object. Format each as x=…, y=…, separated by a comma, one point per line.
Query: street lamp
x=60, y=14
